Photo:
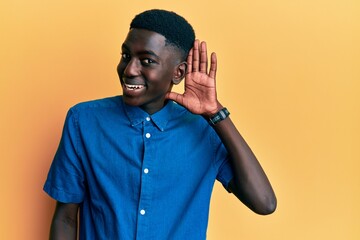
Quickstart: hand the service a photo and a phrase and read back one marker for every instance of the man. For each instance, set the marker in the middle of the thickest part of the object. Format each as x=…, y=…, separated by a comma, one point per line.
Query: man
x=140, y=166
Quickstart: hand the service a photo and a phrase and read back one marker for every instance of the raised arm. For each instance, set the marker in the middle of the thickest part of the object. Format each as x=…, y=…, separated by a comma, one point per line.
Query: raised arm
x=64, y=223
x=250, y=183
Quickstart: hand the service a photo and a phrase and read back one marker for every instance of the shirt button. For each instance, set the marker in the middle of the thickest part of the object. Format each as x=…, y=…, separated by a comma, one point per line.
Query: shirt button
x=148, y=135
x=146, y=170
x=142, y=212
x=147, y=118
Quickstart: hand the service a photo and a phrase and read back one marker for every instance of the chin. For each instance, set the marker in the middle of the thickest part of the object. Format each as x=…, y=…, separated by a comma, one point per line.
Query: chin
x=132, y=101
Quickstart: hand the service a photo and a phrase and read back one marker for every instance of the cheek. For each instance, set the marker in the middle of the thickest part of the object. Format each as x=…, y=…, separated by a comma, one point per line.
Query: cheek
x=166, y=75
x=119, y=68
x=158, y=77
x=121, y=64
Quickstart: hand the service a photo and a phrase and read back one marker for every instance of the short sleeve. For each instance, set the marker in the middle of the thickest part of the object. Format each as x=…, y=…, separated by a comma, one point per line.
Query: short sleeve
x=224, y=170
x=225, y=173
x=65, y=180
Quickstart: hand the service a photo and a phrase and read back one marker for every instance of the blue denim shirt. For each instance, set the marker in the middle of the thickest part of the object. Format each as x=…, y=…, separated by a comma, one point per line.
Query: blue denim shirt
x=138, y=176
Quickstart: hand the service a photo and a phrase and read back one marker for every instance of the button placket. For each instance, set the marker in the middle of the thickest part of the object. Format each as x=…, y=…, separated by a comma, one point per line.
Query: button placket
x=145, y=199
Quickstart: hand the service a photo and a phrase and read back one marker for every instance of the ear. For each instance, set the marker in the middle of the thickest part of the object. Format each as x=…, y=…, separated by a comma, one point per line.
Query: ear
x=179, y=73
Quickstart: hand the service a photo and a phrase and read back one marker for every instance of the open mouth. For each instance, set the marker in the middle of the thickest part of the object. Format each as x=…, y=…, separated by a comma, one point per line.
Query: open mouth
x=134, y=86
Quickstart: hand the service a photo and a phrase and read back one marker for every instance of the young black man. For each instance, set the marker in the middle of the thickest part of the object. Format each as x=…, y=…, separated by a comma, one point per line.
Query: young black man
x=143, y=165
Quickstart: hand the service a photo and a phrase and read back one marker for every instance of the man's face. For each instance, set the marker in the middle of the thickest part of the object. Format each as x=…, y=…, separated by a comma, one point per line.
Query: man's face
x=147, y=69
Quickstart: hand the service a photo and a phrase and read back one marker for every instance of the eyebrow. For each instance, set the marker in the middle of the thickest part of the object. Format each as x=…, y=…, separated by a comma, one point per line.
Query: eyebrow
x=148, y=52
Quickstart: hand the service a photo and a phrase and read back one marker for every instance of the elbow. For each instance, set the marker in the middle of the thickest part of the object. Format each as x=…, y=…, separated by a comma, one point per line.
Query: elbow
x=260, y=202
x=268, y=207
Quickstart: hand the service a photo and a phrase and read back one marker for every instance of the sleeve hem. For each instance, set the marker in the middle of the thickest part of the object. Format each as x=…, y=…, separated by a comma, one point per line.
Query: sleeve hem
x=62, y=196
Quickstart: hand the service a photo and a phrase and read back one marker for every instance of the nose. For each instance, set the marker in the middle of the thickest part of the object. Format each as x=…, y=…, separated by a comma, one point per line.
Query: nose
x=132, y=68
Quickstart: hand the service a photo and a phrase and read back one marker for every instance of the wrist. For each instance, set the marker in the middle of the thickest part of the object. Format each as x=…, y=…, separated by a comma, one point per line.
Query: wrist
x=221, y=115
x=215, y=110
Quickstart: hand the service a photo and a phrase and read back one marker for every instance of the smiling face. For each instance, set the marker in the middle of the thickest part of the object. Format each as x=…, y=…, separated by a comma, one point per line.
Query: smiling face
x=148, y=68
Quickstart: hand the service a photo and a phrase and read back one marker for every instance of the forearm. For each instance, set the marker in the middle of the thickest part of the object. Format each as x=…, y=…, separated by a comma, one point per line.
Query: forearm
x=250, y=183
x=64, y=224
x=63, y=230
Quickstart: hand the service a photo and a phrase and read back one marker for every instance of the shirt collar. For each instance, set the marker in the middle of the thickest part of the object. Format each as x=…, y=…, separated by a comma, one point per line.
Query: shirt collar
x=136, y=115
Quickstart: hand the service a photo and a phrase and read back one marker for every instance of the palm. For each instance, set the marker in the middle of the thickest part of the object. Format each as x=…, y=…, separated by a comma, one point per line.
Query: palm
x=199, y=92
x=199, y=96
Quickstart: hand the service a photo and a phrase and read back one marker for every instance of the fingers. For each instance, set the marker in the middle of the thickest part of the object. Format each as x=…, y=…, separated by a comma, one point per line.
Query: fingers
x=190, y=61
x=203, y=58
x=195, y=62
x=213, y=66
x=199, y=57
x=198, y=60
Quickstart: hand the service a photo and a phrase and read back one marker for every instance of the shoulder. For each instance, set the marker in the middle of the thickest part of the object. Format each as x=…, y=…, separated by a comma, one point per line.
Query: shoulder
x=96, y=109
x=98, y=104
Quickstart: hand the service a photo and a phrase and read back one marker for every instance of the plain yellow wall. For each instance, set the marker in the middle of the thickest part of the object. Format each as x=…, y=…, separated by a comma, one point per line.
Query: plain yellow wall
x=289, y=71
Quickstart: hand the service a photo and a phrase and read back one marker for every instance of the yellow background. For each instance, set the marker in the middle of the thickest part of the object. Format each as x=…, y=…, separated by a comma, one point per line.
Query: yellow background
x=289, y=72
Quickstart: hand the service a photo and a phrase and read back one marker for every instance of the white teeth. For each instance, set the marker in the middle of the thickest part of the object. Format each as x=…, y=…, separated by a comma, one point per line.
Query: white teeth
x=133, y=87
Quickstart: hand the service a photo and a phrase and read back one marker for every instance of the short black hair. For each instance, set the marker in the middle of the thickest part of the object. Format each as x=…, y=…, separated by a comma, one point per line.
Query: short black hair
x=176, y=30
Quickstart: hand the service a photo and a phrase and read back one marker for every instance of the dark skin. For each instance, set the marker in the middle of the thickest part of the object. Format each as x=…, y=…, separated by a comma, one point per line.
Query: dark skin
x=250, y=183
x=64, y=223
x=150, y=67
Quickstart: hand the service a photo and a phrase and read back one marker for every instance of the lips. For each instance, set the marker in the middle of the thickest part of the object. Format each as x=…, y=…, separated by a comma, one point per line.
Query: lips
x=133, y=86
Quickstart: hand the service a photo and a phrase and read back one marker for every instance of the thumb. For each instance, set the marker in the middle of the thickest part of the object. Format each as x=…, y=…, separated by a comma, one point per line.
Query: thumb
x=176, y=97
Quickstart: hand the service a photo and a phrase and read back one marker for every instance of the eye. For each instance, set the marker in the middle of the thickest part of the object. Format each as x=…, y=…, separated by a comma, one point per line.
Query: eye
x=125, y=56
x=147, y=61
